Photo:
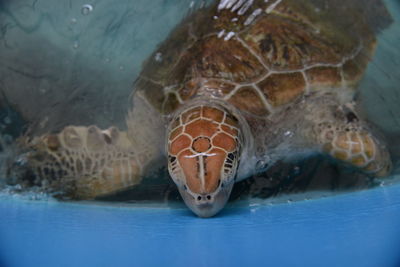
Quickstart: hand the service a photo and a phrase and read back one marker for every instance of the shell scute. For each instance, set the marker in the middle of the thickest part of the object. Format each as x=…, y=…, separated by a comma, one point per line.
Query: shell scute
x=191, y=114
x=324, y=77
x=247, y=98
x=288, y=49
x=213, y=114
x=283, y=88
x=201, y=128
x=179, y=144
x=222, y=140
x=284, y=45
x=227, y=60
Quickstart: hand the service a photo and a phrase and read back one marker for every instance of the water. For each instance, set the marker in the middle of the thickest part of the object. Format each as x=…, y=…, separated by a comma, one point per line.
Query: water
x=73, y=62
x=72, y=59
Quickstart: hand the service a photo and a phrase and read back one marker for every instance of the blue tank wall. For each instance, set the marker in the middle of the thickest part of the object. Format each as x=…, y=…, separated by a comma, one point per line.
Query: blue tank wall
x=360, y=229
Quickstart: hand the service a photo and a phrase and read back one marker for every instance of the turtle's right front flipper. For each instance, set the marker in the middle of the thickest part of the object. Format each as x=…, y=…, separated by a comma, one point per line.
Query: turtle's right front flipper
x=86, y=162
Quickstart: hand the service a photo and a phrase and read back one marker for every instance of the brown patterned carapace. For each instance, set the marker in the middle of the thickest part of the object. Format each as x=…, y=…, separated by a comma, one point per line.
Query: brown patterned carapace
x=265, y=64
x=203, y=146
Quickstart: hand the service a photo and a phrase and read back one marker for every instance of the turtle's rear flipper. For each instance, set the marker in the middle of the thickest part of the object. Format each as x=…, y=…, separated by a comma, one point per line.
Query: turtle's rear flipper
x=85, y=162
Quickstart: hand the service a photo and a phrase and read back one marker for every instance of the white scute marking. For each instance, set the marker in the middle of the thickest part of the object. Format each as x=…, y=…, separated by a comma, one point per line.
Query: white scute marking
x=252, y=17
x=200, y=154
x=245, y=7
x=223, y=4
x=202, y=173
x=241, y=6
x=238, y=5
x=221, y=33
x=229, y=36
x=272, y=7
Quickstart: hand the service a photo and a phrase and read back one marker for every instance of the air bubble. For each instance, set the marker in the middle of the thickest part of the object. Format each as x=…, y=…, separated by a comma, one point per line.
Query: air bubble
x=86, y=9
x=75, y=45
x=7, y=120
x=7, y=139
x=288, y=134
x=158, y=57
x=296, y=170
x=18, y=187
x=261, y=164
x=21, y=161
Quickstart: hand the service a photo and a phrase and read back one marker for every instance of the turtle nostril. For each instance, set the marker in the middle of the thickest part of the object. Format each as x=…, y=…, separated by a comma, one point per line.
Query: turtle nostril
x=203, y=198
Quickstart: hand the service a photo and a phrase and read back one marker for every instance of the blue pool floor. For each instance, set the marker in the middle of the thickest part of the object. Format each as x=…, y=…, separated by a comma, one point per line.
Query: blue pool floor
x=360, y=229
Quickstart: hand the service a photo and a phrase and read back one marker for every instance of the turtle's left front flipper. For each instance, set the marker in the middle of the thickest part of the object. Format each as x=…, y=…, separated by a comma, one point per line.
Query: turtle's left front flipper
x=85, y=162
x=346, y=137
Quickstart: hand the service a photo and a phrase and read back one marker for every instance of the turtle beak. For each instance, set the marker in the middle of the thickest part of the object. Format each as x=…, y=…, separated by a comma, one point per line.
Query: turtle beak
x=205, y=180
x=206, y=205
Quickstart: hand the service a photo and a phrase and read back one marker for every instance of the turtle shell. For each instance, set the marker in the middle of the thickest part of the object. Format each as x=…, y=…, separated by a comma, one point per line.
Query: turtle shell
x=261, y=55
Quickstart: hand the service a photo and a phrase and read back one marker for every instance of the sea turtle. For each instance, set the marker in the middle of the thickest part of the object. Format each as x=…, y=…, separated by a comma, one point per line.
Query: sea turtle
x=237, y=86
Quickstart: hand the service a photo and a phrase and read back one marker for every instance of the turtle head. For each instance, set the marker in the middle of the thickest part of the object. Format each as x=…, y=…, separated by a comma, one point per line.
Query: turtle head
x=204, y=144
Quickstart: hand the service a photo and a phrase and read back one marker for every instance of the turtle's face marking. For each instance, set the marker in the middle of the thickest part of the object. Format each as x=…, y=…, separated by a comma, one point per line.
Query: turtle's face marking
x=204, y=146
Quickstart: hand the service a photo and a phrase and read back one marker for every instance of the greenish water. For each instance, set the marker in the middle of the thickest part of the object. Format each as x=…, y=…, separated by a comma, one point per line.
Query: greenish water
x=380, y=89
x=73, y=62
x=66, y=63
